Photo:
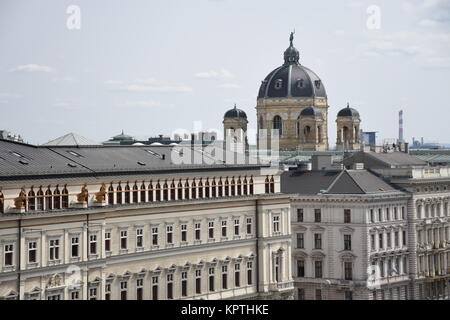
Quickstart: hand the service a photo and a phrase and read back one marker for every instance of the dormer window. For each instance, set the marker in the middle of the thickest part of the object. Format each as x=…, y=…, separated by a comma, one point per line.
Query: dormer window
x=278, y=84
x=317, y=83
x=300, y=83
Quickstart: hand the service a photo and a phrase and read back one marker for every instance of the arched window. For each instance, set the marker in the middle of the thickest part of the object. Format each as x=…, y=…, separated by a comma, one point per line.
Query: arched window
x=186, y=189
x=40, y=199
x=158, y=191
x=127, y=194
x=65, y=198
x=207, y=188
x=245, y=186
x=345, y=134
x=251, y=186
x=278, y=125
x=2, y=203
x=200, y=188
x=227, y=187
x=267, y=185
x=278, y=84
x=111, y=195
x=150, y=192
x=165, y=191
x=272, y=185
x=194, y=189
x=307, y=133
x=135, y=193
x=142, y=192
x=180, y=190
x=220, y=188
x=300, y=83
x=31, y=200
x=239, y=187
x=214, y=188
x=172, y=190
x=48, y=199
x=233, y=187
x=57, y=198
x=119, y=194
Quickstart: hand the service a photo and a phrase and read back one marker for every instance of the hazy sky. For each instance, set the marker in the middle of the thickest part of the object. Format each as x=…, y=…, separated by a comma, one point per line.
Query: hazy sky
x=150, y=67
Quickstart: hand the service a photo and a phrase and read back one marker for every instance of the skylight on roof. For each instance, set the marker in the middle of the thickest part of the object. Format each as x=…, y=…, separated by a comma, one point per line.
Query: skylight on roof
x=74, y=153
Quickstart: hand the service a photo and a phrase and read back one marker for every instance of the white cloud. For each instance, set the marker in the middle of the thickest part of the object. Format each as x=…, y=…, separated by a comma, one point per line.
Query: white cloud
x=152, y=85
x=213, y=74
x=229, y=86
x=33, y=68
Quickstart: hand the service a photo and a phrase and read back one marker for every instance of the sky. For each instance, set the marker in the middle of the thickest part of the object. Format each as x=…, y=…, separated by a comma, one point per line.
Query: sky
x=151, y=67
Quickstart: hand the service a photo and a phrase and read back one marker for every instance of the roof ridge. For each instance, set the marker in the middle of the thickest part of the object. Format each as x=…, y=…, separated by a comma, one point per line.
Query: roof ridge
x=356, y=182
x=335, y=180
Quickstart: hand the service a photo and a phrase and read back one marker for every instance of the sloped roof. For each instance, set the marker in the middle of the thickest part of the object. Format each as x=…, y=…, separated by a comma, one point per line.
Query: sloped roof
x=385, y=159
x=333, y=182
x=71, y=139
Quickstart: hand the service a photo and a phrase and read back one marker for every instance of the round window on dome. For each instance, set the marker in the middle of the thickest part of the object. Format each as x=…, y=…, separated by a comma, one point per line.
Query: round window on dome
x=278, y=84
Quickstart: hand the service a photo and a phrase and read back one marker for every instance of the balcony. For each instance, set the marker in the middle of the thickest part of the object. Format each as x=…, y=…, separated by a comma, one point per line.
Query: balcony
x=279, y=286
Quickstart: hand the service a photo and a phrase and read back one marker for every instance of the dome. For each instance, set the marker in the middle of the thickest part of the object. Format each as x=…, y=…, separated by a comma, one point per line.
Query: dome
x=235, y=113
x=291, y=79
x=311, y=111
x=348, y=112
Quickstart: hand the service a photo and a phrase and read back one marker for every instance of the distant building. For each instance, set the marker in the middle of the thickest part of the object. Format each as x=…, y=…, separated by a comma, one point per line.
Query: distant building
x=6, y=135
x=123, y=139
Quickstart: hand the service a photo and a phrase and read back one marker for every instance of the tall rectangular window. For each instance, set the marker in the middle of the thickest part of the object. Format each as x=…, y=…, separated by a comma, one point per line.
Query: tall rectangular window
x=237, y=275
x=155, y=281
x=301, y=294
x=318, y=294
x=170, y=286
x=348, y=270
x=53, y=249
x=155, y=236
x=276, y=224
x=388, y=239
x=372, y=241
x=348, y=295
x=93, y=244
x=371, y=216
x=395, y=213
x=184, y=284
x=123, y=239
x=224, y=228
x=380, y=240
x=380, y=215
x=169, y=234
x=224, y=277
x=404, y=238
x=249, y=225
x=8, y=254
x=403, y=213
x=249, y=273
x=388, y=214
x=396, y=238
x=317, y=215
x=299, y=215
x=211, y=230
x=75, y=247
x=211, y=279
x=198, y=281
x=197, y=231
x=300, y=240
x=123, y=290
x=236, y=227
x=347, y=216
x=107, y=241
x=139, y=238
x=317, y=241
x=318, y=269
x=184, y=232
x=300, y=268
x=347, y=242
x=32, y=247
x=140, y=289
x=92, y=293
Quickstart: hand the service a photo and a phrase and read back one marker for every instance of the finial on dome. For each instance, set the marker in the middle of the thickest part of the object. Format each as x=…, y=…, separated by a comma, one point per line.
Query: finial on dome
x=235, y=106
x=348, y=105
x=291, y=38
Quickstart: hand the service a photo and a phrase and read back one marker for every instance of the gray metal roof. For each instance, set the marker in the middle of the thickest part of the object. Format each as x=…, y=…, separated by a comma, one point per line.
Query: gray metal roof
x=71, y=139
x=333, y=182
x=385, y=159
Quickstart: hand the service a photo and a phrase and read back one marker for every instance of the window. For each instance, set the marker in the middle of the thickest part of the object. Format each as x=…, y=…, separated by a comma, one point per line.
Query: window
x=372, y=241
x=197, y=231
x=380, y=240
x=347, y=216
x=299, y=215
x=170, y=286
x=348, y=295
x=155, y=280
x=276, y=224
x=300, y=83
x=403, y=213
x=93, y=244
x=184, y=284
x=92, y=293
x=211, y=279
x=155, y=236
x=317, y=215
x=249, y=273
x=249, y=225
x=150, y=192
x=318, y=294
x=142, y=199
x=300, y=268
x=169, y=234
x=396, y=238
x=139, y=289
x=135, y=193
x=371, y=216
x=388, y=239
x=277, y=125
x=236, y=227
x=278, y=84
x=123, y=290
x=31, y=200
x=300, y=240
x=127, y=194
x=65, y=198
x=110, y=195
x=184, y=232
x=317, y=241
x=380, y=215
x=32, y=247
x=224, y=277
x=405, y=265
x=8, y=253
x=318, y=269
x=211, y=229
x=224, y=228
x=198, y=281
x=388, y=214
x=75, y=295
x=347, y=242
x=123, y=239
x=404, y=238
x=301, y=294
x=53, y=249
x=108, y=291
x=119, y=194
x=48, y=199
x=395, y=213
x=139, y=238
x=107, y=241
x=348, y=270
x=237, y=275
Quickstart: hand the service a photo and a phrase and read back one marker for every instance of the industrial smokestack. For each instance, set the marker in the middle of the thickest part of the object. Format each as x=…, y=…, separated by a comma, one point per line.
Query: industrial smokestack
x=400, y=127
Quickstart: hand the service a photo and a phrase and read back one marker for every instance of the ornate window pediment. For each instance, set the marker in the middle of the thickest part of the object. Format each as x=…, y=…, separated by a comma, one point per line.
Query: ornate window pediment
x=317, y=228
x=347, y=256
x=346, y=230
x=317, y=255
x=300, y=254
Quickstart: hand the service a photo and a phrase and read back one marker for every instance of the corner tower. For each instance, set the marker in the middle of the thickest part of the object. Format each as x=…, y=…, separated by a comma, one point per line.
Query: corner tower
x=282, y=96
x=348, y=129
